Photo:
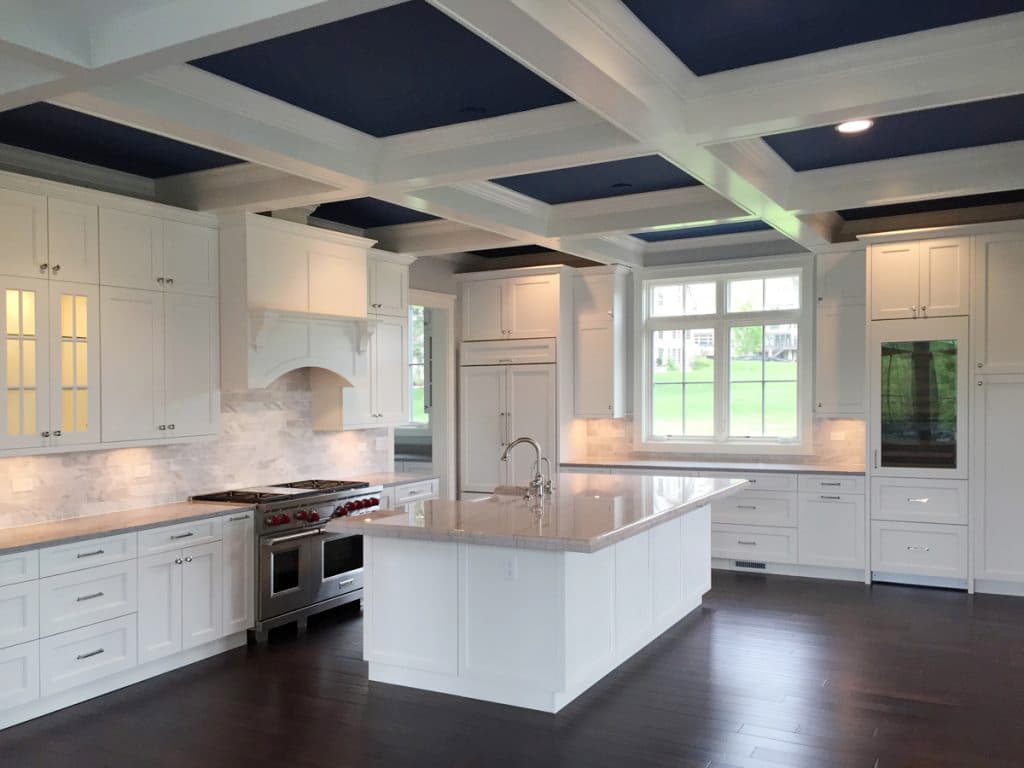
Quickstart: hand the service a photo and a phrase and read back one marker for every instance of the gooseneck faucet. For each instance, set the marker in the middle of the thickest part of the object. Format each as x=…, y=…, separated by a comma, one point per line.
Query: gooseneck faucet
x=537, y=484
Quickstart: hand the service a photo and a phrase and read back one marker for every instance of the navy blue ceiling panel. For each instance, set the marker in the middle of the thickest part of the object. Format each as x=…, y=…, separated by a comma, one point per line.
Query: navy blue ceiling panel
x=715, y=35
x=687, y=233
x=513, y=250
x=930, y=130
x=929, y=206
x=590, y=182
x=76, y=136
x=404, y=68
x=367, y=212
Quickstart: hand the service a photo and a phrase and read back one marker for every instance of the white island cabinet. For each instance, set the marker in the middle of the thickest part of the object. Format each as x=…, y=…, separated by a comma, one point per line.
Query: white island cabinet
x=530, y=603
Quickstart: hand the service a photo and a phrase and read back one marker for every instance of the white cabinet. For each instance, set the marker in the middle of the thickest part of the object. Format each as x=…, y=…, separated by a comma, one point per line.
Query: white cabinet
x=389, y=378
x=832, y=530
x=997, y=343
x=73, y=240
x=19, y=614
x=388, y=286
x=191, y=367
x=190, y=263
x=239, y=591
x=131, y=250
x=524, y=306
x=23, y=223
x=180, y=600
x=85, y=655
x=24, y=419
x=919, y=501
x=919, y=549
x=18, y=567
x=497, y=405
x=602, y=369
x=73, y=600
x=423, y=490
x=839, y=383
x=19, y=675
x=997, y=480
x=918, y=279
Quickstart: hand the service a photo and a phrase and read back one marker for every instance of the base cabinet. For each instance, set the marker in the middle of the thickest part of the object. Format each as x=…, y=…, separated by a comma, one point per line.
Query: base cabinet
x=919, y=549
x=75, y=658
x=831, y=531
x=239, y=573
x=19, y=675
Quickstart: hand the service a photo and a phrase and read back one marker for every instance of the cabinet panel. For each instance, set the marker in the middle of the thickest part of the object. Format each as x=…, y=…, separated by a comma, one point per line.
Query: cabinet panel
x=389, y=288
x=595, y=368
x=337, y=279
x=390, y=380
x=919, y=549
x=532, y=396
x=85, y=655
x=74, y=363
x=131, y=250
x=23, y=222
x=756, y=509
x=841, y=277
x=998, y=344
x=766, y=545
x=90, y=553
x=73, y=235
x=945, y=277
x=202, y=609
x=160, y=585
x=839, y=360
x=831, y=531
x=239, y=573
x=169, y=538
x=19, y=567
x=277, y=270
x=19, y=675
x=192, y=365
x=73, y=600
x=421, y=491
x=497, y=352
x=832, y=484
x=19, y=614
x=190, y=258
x=531, y=307
x=928, y=501
x=132, y=361
x=482, y=316
x=895, y=280
x=483, y=430
x=25, y=364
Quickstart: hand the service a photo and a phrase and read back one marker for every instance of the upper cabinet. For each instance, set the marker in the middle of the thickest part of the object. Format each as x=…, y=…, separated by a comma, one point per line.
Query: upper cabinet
x=601, y=320
x=998, y=285
x=839, y=351
x=388, y=285
x=190, y=263
x=920, y=279
x=23, y=223
x=73, y=241
x=522, y=306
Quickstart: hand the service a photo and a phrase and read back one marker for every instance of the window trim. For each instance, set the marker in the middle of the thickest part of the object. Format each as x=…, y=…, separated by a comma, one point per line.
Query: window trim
x=722, y=321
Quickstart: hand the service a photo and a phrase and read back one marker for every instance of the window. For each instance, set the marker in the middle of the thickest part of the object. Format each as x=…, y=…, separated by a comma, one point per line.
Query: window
x=723, y=367
x=419, y=366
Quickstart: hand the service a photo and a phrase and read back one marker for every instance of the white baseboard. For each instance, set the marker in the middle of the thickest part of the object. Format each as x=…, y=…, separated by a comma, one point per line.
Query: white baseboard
x=918, y=581
x=790, y=569
x=993, y=587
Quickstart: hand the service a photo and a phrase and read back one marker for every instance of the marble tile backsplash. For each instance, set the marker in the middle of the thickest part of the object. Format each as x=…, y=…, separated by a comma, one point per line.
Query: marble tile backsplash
x=836, y=441
x=267, y=437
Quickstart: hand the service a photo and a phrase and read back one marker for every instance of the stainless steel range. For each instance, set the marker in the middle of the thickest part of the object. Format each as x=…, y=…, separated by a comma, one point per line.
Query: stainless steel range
x=302, y=569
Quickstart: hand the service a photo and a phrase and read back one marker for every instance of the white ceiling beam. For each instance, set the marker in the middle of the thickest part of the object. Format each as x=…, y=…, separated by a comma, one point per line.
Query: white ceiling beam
x=435, y=238
x=713, y=241
x=44, y=166
x=605, y=249
x=242, y=187
x=933, y=68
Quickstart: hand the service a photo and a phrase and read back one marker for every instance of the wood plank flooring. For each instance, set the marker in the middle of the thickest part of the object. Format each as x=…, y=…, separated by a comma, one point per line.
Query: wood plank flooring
x=771, y=672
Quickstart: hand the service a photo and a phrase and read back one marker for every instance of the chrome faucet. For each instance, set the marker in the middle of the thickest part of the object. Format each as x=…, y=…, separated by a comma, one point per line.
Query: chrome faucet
x=537, y=486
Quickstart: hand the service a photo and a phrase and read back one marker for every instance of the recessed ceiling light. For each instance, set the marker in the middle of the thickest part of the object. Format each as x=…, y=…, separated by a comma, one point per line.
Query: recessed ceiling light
x=621, y=186
x=854, y=126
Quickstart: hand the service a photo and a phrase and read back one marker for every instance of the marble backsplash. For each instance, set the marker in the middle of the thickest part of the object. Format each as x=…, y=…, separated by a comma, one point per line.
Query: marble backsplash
x=836, y=441
x=266, y=437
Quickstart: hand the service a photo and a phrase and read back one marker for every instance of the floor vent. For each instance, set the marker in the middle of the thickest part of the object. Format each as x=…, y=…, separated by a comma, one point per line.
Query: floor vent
x=750, y=564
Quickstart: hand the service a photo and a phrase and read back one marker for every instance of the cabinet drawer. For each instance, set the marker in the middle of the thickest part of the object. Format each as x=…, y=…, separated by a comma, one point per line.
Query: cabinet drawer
x=735, y=542
x=421, y=491
x=19, y=567
x=922, y=501
x=756, y=509
x=919, y=549
x=87, y=554
x=173, y=537
x=72, y=600
x=85, y=655
x=19, y=613
x=19, y=675
x=831, y=484
x=832, y=530
x=760, y=481
x=515, y=351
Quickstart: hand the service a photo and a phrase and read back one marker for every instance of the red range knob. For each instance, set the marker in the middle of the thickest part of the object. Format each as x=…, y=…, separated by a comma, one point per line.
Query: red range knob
x=314, y=517
x=349, y=507
x=374, y=501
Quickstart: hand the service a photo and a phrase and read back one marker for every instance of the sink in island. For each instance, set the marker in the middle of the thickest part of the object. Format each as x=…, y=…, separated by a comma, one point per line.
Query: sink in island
x=531, y=602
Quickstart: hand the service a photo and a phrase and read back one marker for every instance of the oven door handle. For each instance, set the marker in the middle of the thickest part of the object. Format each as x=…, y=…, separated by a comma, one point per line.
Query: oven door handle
x=293, y=537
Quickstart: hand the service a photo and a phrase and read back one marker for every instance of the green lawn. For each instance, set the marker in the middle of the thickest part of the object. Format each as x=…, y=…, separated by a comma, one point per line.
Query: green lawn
x=418, y=415
x=745, y=418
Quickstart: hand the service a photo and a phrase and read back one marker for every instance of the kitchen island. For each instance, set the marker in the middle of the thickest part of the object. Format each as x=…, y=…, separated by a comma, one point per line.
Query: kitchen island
x=531, y=602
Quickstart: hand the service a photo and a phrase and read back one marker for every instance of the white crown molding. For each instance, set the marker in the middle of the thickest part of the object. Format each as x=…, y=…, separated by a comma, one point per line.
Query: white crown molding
x=712, y=241
x=243, y=187
x=436, y=238
x=28, y=162
x=957, y=230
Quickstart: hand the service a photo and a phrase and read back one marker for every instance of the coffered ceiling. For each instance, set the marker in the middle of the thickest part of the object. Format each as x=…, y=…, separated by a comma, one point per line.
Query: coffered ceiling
x=605, y=129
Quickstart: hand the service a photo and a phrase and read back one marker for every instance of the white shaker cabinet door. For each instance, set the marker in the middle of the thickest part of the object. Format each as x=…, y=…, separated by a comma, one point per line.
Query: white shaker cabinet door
x=996, y=338
x=190, y=258
x=131, y=250
x=192, y=365
x=239, y=573
x=531, y=306
x=160, y=584
x=482, y=317
x=25, y=363
x=337, y=279
x=391, y=371
x=895, y=281
x=945, y=277
x=74, y=363
x=202, y=608
x=484, y=427
x=389, y=288
x=73, y=240
x=23, y=223
x=19, y=675
x=531, y=407
x=132, y=361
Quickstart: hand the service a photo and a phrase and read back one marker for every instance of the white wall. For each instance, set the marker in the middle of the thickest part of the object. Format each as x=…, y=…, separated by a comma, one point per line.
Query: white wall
x=267, y=437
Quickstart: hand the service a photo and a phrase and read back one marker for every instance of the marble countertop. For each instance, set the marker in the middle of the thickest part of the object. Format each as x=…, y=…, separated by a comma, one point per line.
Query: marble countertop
x=724, y=465
x=586, y=512
x=89, y=526
x=388, y=479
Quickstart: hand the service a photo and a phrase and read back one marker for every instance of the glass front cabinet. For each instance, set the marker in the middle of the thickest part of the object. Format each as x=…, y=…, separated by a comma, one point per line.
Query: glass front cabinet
x=919, y=379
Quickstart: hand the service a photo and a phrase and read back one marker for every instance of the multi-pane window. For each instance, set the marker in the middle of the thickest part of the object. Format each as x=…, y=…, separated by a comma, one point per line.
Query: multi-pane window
x=724, y=363
x=419, y=366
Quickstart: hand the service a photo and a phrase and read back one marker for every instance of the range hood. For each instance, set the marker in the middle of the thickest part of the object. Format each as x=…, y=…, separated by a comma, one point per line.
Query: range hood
x=292, y=297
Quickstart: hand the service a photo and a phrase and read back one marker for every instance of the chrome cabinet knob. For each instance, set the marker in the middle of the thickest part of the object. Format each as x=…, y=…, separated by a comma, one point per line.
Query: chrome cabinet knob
x=57, y=433
x=162, y=427
x=188, y=559
x=170, y=281
x=55, y=269
x=170, y=426
x=44, y=434
x=178, y=561
x=43, y=268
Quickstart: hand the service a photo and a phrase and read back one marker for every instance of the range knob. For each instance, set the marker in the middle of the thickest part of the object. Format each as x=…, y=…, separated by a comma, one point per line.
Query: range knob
x=351, y=506
x=313, y=517
x=282, y=519
x=374, y=502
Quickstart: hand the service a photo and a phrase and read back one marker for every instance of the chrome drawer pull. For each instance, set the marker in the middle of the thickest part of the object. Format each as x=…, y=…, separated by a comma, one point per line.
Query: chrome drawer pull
x=745, y=506
x=746, y=543
x=912, y=548
x=833, y=485
x=93, y=596
x=238, y=519
x=293, y=537
x=918, y=500
x=831, y=498
x=182, y=536
x=80, y=555
x=89, y=655
x=345, y=583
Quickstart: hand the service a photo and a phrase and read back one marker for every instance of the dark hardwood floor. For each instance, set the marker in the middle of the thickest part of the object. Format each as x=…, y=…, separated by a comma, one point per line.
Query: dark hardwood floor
x=772, y=672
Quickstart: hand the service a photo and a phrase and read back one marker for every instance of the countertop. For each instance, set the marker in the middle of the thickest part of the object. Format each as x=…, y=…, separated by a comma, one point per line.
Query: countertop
x=388, y=479
x=89, y=526
x=586, y=512
x=714, y=466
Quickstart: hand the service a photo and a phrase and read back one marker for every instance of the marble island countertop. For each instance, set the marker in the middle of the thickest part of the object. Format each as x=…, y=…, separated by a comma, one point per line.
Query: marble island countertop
x=586, y=512
x=723, y=465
